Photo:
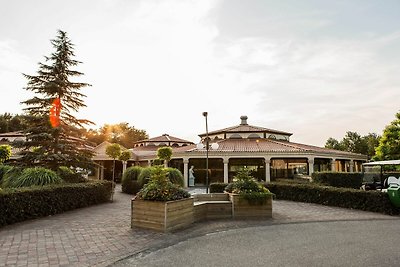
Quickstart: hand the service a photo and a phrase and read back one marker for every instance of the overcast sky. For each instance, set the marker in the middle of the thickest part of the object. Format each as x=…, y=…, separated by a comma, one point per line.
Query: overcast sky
x=313, y=68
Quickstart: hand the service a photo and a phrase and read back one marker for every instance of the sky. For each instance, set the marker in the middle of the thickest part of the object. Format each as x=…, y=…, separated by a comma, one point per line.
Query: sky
x=314, y=68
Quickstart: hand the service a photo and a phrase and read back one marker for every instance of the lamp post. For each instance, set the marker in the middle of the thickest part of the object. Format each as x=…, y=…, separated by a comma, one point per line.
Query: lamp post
x=205, y=114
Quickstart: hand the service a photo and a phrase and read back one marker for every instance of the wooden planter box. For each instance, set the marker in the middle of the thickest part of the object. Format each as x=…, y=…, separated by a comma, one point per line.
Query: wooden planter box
x=162, y=216
x=242, y=209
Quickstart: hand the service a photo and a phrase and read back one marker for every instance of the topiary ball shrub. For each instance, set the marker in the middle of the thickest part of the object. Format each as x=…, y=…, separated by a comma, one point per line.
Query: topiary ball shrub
x=130, y=184
x=34, y=176
x=175, y=176
x=160, y=188
x=69, y=176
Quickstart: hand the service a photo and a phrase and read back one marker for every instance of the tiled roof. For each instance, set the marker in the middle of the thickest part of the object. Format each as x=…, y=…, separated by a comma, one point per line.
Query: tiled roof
x=165, y=138
x=245, y=129
x=267, y=145
x=100, y=152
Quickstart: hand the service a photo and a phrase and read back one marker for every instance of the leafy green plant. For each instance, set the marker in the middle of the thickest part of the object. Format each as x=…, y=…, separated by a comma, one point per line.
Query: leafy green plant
x=125, y=155
x=10, y=175
x=175, y=176
x=160, y=188
x=34, y=176
x=70, y=176
x=338, y=179
x=218, y=187
x=164, y=153
x=130, y=184
x=247, y=187
x=5, y=153
x=144, y=176
x=3, y=170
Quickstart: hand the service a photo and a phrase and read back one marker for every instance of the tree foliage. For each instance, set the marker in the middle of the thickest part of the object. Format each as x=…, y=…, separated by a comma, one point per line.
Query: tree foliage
x=113, y=151
x=53, y=131
x=125, y=155
x=5, y=153
x=355, y=143
x=389, y=144
x=12, y=123
x=120, y=133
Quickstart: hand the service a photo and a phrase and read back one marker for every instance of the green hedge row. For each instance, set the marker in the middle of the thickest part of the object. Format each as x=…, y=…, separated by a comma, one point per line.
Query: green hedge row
x=217, y=187
x=374, y=201
x=338, y=179
x=17, y=205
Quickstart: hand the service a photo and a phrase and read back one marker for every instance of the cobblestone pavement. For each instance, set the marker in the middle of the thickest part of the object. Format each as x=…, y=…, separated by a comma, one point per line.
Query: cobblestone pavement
x=101, y=235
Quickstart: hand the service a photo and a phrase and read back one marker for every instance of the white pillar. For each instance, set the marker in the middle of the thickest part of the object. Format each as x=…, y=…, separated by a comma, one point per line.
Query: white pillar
x=333, y=165
x=310, y=166
x=351, y=165
x=124, y=163
x=102, y=171
x=149, y=162
x=226, y=170
x=185, y=172
x=267, y=170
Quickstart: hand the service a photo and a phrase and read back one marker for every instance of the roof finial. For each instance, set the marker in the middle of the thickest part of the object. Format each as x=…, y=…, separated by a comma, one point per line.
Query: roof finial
x=244, y=120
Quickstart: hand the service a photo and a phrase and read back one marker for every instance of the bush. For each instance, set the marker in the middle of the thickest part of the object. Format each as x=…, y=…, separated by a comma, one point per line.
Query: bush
x=130, y=184
x=21, y=204
x=70, y=176
x=247, y=187
x=3, y=170
x=34, y=176
x=338, y=179
x=175, y=176
x=217, y=187
x=144, y=176
x=160, y=188
x=11, y=175
x=374, y=201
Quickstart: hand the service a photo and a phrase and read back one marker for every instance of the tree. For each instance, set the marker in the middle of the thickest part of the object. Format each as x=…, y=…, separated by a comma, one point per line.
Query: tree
x=5, y=153
x=332, y=143
x=12, y=123
x=53, y=131
x=120, y=133
x=372, y=142
x=164, y=153
x=113, y=151
x=389, y=144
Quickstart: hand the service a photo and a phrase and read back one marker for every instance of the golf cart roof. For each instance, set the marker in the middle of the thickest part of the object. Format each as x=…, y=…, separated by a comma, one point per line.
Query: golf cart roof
x=380, y=163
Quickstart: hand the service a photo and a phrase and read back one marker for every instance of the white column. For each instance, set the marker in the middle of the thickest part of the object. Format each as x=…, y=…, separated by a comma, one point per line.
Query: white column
x=149, y=162
x=185, y=172
x=102, y=171
x=310, y=166
x=267, y=170
x=124, y=163
x=351, y=165
x=333, y=165
x=226, y=170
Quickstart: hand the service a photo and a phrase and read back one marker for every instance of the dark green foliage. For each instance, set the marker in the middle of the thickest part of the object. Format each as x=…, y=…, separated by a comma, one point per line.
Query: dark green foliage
x=164, y=153
x=175, y=176
x=69, y=176
x=331, y=196
x=3, y=170
x=10, y=175
x=125, y=155
x=157, y=162
x=338, y=179
x=18, y=205
x=56, y=139
x=389, y=145
x=144, y=176
x=130, y=184
x=160, y=188
x=12, y=123
x=5, y=153
x=33, y=177
x=248, y=187
x=217, y=187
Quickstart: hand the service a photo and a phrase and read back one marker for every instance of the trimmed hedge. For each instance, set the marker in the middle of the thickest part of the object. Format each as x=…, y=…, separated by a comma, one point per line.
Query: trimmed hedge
x=69, y=176
x=338, y=179
x=217, y=187
x=331, y=196
x=21, y=204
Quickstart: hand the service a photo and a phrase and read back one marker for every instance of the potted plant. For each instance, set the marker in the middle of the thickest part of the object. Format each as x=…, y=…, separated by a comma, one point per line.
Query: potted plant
x=249, y=198
x=161, y=205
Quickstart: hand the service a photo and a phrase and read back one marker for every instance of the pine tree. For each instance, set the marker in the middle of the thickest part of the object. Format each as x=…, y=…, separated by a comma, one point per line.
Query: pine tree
x=53, y=135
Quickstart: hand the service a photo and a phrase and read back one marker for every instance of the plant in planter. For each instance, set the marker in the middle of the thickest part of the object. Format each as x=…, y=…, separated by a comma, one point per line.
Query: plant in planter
x=249, y=197
x=161, y=205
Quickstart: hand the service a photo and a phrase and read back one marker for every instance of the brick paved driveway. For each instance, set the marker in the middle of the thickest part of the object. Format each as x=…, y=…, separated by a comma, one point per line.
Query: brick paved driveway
x=101, y=235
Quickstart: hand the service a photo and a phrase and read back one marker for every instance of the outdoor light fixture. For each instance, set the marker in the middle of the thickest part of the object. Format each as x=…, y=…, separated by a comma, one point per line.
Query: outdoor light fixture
x=207, y=146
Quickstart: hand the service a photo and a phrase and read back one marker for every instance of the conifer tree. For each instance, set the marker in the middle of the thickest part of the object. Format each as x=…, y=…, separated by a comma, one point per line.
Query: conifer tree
x=52, y=137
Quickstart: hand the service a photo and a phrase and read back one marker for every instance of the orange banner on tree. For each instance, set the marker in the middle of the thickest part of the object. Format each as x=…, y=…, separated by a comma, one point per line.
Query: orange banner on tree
x=55, y=112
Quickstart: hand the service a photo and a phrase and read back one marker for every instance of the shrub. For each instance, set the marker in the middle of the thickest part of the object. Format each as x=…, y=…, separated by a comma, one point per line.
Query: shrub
x=144, y=176
x=374, y=201
x=217, y=187
x=19, y=204
x=35, y=176
x=3, y=170
x=5, y=153
x=175, y=176
x=130, y=184
x=338, y=179
x=247, y=187
x=160, y=188
x=70, y=176
x=11, y=175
